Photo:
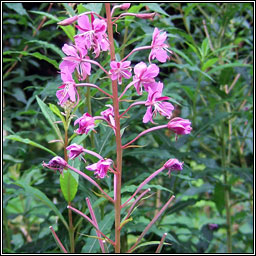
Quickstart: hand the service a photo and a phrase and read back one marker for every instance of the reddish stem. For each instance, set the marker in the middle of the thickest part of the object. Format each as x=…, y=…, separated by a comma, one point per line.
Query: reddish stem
x=118, y=175
x=58, y=240
x=145, y=132
x=152, y=222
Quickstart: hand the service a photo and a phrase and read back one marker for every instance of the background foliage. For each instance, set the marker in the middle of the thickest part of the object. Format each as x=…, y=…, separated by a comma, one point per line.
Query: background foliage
x=209, y=79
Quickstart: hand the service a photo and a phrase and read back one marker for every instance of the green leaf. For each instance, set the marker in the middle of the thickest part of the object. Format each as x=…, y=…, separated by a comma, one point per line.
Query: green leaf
x=11, y=159
x=148, y=243
x=212, y=121
x=17, y=7
x=156, y=8
x=204, y=48
x=229, y=65
x=81, y=8
x=37, y=194
x=218, y=196
x=47, y=45
x=189, y=8
x=70, y=31
x=132, y=9
x=68, y=185
x=56, y=111
x=29, y=142
x=181, y=205
x=132, y=188
x=34, y=54
x=105, y=225
x=183, y=55
x=69, y=9
x=209, y=63
x=191, y=94
x=194, y=49
x=48, y=15
x=94, y=7
x=49, y=116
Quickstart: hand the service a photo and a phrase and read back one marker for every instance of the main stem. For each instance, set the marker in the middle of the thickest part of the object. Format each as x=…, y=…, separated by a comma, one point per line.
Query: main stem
x=71, y=228
x=227, y=195
x=118, y=176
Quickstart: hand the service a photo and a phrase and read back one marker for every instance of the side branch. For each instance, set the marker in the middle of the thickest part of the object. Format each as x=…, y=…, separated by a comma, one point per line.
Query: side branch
x=143, y=133
x=94, y=86
x=152, y=222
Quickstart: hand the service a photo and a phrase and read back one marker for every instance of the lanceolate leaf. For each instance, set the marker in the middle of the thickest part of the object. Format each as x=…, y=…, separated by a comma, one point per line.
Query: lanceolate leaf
x=36, y=55
x=48, y=45
x=147, y=244
x=39, y=195
x=30, y=142
x=68, y=185
x=49, y=116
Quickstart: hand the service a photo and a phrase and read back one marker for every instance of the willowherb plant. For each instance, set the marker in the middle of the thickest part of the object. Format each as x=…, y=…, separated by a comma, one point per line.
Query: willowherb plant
x=95, y=36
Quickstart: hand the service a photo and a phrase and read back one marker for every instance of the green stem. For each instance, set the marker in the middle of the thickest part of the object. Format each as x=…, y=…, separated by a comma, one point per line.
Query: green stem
x=6, y=231
x=227, y=194
x=195, y=98
x=89, y=106
x=71, y=228
x=118, y=176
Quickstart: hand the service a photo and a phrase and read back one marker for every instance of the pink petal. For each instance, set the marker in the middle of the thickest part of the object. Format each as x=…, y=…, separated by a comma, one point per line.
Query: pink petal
x=92, y=167
x=152, y=71
x=114, y=64
x=69, y=50
x=84, y=23
x=125, y=64
x=100, y=26
x=161, y=55
x=67, y=68
x=140, y=68
x=148, y=115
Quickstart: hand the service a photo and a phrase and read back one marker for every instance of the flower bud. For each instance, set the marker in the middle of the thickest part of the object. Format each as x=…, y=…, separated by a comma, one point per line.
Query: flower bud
x=74, y=150
x=125, y=6
x=179, y=125
x=146, y=16
x=68, y=21
x=56, y=163
x=86, y=123
x=173, y=164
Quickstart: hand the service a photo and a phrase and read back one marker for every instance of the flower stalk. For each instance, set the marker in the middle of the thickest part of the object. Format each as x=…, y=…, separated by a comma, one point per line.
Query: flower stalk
x=152, y=222
x=118, y=175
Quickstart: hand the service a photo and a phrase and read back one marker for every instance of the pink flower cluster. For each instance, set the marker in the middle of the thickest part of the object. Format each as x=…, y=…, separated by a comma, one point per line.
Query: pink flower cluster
x=92, y=38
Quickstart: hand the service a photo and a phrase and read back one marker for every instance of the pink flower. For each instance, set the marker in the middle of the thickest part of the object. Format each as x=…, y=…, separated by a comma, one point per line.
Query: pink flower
x=100, y=168
x=179, y=125
x=68, y=21
x=145, y=75
x=119, y=70
x=125, y=6
x=75, y=150
x=74, y=61
x=173, y=164
x=92, y=34
x=68, y=89
x=86, y=123
x=155, y=100
x=159, y=48
x=56, y=163
x=108, y=114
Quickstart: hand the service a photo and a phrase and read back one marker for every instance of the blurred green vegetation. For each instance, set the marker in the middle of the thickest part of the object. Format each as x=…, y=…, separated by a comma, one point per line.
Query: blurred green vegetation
x=209, y=80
